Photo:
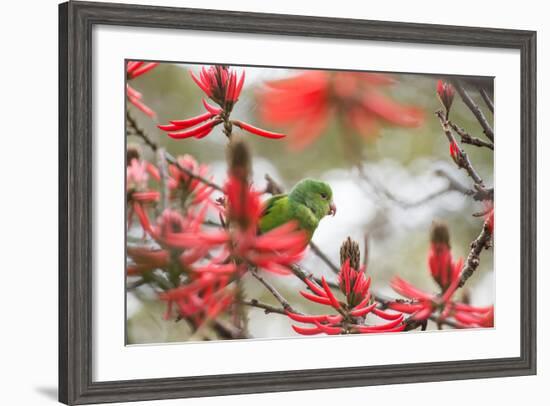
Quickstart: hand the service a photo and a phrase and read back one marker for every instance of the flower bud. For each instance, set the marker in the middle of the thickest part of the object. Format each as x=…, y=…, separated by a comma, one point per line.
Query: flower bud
x=239, y=160
x=440, y=260
x=440, y=233
x=446, y=94
x=132, y=152
x=350, y=250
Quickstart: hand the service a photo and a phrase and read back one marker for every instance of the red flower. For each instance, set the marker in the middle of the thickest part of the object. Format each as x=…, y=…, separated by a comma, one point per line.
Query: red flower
x=306, y=102
x=422, y=305
x=446, y=94
x=133, y=70
x=469, y=316
x=137, y=185
x=273, y=251
x=455, y=152
x=201, y=300
x=187, y=186
x=440, y=261
x=220, y=83
x=145, y=260
x=350, y=318
x=445, y=271
x=223, y=86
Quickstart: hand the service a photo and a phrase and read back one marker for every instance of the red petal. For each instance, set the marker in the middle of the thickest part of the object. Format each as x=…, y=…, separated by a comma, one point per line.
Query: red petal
x=386, y=316
x=406, y=289
x=363, y=311
x=133, y=65
x=391, y=111
x=143, y=69
x=305, y=318
x=315, y=288
x=329, y=329
x=190, y=122
x=239, y=87
x=200, y=84
x=334, y=302
x=316, y=299
x=141, y=106
x=210, y=108
x=390, y=325
x=258, y=131
x=197, y=131
x=306, y=331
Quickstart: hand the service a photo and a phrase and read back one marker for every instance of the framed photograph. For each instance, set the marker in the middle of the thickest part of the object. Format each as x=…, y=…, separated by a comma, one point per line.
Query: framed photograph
x=261, y=202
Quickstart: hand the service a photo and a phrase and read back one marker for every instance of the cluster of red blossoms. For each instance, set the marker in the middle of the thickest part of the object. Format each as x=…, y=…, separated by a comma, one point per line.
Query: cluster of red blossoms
x=223, y=86
x=306, y=103
x=350, y=317
x=351, y=313
x=202, y=265
x=446, y=272
x=133, y=70
x=182, y=183
x=197, y=262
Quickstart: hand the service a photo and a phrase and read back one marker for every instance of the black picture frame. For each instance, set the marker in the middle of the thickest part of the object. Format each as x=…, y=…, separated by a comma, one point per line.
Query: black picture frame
x=76, y=20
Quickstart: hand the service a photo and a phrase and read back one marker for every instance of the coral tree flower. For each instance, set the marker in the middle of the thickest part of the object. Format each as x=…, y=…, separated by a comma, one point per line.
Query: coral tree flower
x=135, y=69
x=455, y=153
x=306, y=103
x=184, y=179
x=238, y=243
x=350, y=315
x=446, y=272
x=446, y=93
x=223, y=86
x=440, y=259
x=273, y=251
x=138, y=174
x=201, y=300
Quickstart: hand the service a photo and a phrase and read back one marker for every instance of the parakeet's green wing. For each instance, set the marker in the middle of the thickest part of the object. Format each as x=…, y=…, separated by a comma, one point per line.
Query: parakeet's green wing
x=275, y=213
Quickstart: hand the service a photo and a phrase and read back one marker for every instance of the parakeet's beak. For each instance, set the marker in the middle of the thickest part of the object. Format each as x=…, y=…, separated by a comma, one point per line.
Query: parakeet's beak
x=332, y=209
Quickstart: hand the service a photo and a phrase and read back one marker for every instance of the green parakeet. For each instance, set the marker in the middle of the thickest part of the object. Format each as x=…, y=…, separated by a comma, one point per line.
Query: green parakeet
x=307, y=203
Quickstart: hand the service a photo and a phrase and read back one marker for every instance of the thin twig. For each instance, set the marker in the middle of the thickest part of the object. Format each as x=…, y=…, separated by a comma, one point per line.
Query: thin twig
x=272, y=187
x=382, y=191
x=483, y=241
x=163, y=172
x=273, y=291
x=476, y=111
x=139, y=132
x=136, y=284
x=466, y=138
x=366, y=250
x=487, y=99
x=462, y=159
x=324, y=257
x=266, y=307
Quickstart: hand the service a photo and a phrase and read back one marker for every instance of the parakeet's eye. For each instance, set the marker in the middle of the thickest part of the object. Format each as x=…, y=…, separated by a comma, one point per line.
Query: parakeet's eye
x=324, y=195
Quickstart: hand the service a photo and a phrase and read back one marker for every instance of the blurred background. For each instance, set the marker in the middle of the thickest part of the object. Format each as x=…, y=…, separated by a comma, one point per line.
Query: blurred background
x=390, y=186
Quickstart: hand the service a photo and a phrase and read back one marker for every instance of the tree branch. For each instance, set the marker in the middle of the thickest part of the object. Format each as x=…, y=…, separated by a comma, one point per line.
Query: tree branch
x=324, y=257
x=487, y=99
x=466, y=138
x=273, y=291
x=483, y=241
x=139, y=132
x=266, y=307
x=474, y=108
x=462, y=160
